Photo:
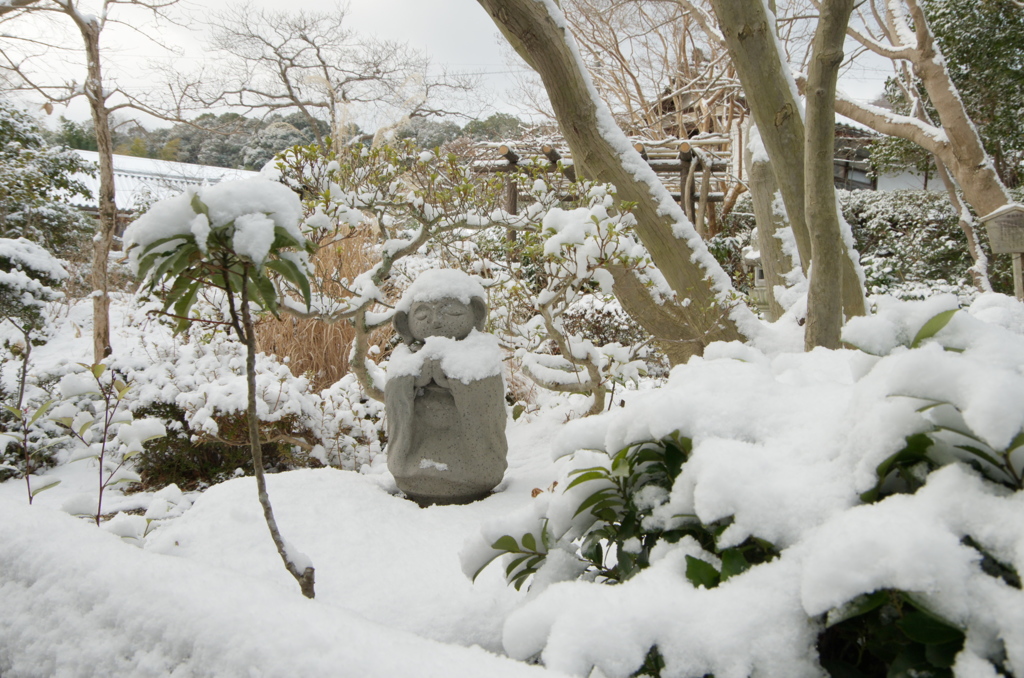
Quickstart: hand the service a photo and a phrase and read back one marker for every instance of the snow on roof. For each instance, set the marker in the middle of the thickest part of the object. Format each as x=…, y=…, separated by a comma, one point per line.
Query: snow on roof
x=141, y=181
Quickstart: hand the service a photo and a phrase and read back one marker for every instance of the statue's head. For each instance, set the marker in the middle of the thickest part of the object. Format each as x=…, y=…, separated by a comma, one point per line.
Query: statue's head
x=441, y=303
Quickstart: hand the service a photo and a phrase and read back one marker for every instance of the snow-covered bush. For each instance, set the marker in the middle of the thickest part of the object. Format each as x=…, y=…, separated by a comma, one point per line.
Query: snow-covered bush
x=414, y=204
x=195, y=382
x=105, y=427
x=910, y=243
x=841, y=510
x=28, y=276
x=553, y=292
x=243, y=231
x=230, y=237
x=433, y=211
x=349, y=426
x=35, y=180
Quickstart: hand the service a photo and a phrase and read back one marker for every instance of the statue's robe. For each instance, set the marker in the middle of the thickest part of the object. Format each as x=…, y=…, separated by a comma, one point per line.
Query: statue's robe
x=446, y=444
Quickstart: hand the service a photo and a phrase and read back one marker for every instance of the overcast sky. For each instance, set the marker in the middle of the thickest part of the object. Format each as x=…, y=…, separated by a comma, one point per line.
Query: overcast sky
x=457, y=34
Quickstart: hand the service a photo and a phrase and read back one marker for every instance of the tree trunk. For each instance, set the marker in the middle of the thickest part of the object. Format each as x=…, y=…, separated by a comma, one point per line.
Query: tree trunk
x=749, y=32
x=664, y=322
x=104, y=238
x=774, y=261
x=305, y=576
x=824, y=301
x=602, y=152
x=969, y=163
x=955, y=141
x=979, y=269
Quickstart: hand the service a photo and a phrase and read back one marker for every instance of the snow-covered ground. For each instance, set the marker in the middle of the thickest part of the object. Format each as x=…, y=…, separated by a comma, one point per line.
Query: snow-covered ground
x=784, y=442
x=207, y=593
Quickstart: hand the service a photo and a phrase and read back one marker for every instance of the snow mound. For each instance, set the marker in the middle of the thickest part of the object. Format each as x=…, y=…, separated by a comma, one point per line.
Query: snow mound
x=115, y=610
x=441, y=283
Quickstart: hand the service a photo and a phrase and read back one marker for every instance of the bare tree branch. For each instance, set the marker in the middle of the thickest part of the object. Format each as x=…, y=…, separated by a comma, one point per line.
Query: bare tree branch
x=310, y=62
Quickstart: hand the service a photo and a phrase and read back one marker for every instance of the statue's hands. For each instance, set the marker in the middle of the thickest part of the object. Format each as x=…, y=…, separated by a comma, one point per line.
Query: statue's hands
x=426, y=374
x=431, y=371
x=439, y=376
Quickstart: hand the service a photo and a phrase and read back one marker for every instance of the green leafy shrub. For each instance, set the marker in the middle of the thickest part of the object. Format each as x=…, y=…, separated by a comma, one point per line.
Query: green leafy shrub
x=888, y=633
x=948, y=437
x=614, y=531
x=184, y=459
x=910, y=243
x=243, y=237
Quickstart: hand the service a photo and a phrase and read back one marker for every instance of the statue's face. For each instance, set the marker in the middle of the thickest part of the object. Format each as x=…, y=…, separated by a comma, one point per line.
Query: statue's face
x=441, y=318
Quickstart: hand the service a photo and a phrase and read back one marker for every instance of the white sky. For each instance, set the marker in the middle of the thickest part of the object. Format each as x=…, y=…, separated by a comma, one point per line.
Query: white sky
x=457, y=34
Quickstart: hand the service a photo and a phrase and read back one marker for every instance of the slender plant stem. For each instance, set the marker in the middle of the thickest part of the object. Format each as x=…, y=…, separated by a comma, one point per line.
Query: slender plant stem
x=305, y=578
x=24, y=418
x=107, y=417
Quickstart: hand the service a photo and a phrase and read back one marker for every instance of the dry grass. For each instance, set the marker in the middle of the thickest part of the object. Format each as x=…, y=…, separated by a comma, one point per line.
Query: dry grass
x=315, y=348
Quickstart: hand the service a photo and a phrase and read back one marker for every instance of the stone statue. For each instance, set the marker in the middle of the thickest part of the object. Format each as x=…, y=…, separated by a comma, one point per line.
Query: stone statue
x=444, y=396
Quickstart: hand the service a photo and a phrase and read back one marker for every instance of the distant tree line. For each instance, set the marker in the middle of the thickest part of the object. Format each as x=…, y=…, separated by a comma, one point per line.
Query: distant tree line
x=236, y=141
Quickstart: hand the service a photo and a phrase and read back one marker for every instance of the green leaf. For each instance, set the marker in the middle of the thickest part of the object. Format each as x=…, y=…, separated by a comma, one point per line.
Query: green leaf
x=514, y=564
x=621, y=461
x=926, y=629
x=733, y=563
x=914, y=451
x=146, y=263
x=961, y=432
x=179, y=286
x=174, y=263
x=586, y=477
x=979, y=453
x=265, y=291
x=943, y=655
x=593, y=551
x=484, y=566
x=15, y=411
x=860, y=605
x=596, y=497
x=283, y=238
x=98, y=369
x=529, y=542
x=1017, y=441
x=507, y=544
x=290, y=272
x=577, y=471
x=41, y=411
x=153, y=253
x=44, y=488
x=521, y=578
x=198, y=206
x=185, y=302
x=701, y=573
x=932, y=327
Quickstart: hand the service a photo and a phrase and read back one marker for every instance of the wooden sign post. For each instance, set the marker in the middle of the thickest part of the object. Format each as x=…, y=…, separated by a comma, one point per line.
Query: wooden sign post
x=1006, y=236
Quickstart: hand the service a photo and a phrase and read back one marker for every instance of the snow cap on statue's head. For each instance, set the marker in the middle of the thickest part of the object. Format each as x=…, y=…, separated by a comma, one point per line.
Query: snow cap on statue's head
x=441, y=283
